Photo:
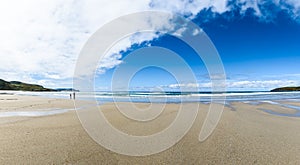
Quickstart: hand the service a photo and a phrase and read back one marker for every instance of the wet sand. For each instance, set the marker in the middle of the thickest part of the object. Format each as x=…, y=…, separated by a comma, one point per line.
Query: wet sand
x=245, y=135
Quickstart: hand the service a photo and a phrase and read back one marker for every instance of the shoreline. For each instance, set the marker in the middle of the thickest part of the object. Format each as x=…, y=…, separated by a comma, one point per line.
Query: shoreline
x=288, y=107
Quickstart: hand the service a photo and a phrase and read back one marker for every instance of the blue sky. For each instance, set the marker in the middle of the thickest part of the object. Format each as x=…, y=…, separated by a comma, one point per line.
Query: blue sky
x=255, y=49
x=258, y=53
x=257, y=40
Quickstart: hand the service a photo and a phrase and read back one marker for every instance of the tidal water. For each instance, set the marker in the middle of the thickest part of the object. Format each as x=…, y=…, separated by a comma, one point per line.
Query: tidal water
x=248, y=97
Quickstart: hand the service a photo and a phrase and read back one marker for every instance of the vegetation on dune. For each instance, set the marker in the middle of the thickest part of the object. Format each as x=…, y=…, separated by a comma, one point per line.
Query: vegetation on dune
x=16, y=85
x=286, y=89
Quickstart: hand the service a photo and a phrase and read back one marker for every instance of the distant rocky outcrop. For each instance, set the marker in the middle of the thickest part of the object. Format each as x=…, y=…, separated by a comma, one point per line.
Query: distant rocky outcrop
x=66, y=90
x=286, y=89
x=17, y=85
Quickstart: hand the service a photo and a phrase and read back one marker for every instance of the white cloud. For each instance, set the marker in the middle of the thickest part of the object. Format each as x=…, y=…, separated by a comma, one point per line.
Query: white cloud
x=265, y=14
x=180, y=31
x=253, y=4
x=295, y=8
x=196, y=32
x=113, y=57
x=266, y=84
x=190, y=8
x=245, y=85
x=188, y=85
x=40, y=37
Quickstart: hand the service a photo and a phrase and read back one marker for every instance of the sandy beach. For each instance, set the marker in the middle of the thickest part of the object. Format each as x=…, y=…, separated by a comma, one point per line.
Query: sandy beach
x=245, y=135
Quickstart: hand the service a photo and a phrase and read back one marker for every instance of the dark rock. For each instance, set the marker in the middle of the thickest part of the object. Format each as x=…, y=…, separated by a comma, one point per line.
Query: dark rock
x=286, y=89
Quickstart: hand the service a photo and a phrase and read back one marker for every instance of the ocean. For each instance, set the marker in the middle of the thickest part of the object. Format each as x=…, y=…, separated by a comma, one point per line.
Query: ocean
x=247, y=97
x=168, y=97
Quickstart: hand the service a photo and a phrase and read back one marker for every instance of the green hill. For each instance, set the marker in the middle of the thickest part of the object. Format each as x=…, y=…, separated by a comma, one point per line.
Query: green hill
x=16, y=85
x=286, y=89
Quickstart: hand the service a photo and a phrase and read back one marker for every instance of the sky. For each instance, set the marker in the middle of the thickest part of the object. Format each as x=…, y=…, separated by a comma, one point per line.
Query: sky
x=258, y=41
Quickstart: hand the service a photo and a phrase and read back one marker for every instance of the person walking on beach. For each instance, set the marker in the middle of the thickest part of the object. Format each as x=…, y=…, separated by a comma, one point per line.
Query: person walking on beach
x=70, y=96
x=74, y=95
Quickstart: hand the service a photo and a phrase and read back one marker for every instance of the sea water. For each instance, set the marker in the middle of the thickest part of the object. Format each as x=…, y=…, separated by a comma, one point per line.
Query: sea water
x=248, y=97
x=168, y=97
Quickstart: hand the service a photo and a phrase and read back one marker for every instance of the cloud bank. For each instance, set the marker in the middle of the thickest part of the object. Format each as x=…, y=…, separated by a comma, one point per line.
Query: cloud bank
x=239, y=85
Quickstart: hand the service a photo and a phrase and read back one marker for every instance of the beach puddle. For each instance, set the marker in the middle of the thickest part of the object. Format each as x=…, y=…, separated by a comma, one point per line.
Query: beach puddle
x=295, y=108
x=46, y=112
x=281, y=114
x=43, y=112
